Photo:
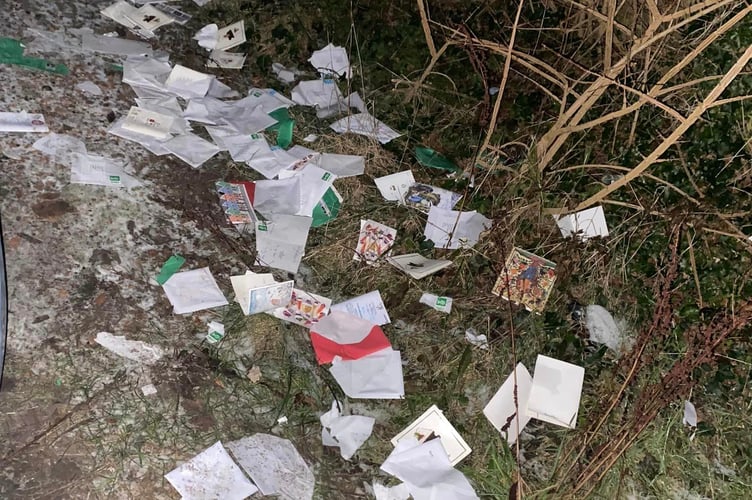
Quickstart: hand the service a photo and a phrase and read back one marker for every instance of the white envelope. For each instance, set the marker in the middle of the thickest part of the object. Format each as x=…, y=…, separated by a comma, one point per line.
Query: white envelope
x=149, y=142
x=100, y=171
x=146, y=71
x=584, y=224
x=22, y=122
x=314, y=183
x=501, y=410
x=418, y=266
x=246, y=117
x=206, y=110
x=323, y=93
x=394, y=186
x=433, y=423
x=365, y=124
x=369, y=307
x=281, y=241
x=148, y=122
x=270, y=161
x=167, y=105
x=269, y=99
x=342, y=165
x=188, y=83
x=191, y=148
x=347, y=432
x=191, y=291
x=114, y=45
x=330, y=60
x=376, y=376
x=207, y=36
x=555, y=392
x=278, y=197
x=450, y=229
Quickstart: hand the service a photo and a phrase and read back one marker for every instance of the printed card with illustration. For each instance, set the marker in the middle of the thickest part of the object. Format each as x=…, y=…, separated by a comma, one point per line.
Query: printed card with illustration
x=257, y=293
x=374, y=240
x=526, y=280
x=231, y=36
x=304, y=308
x=226, y=60
x=236, y=202
x=423, y=197
x=434, y=425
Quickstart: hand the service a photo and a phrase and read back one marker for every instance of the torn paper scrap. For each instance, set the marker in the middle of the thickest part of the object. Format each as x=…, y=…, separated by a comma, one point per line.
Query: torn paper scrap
x=89, y=87
x=555, y=392
x=526, y=279
x=63, y=148
x=22, y=122
x=216, y=332
x=418, y=266
x=433, y=424
x=348, y=432
x=341, y=165
x=367, y=125
x=281, y=241
x=191, y=291
x=473, y=338
x=393, y=187
x=331, y=60
x=100, y=171
x=399, y=492
x=502, y=411
x=304, y=308
x=135, y=350
x=584, y=224
x=603, y=328
x=207, y=36
x=690, y=414
x=376, y=376
x=285, y=75
x=423, y=197
x=211, y=474
x=148, y=390
x=450, y=229
x=151, y=123
x=374, y=240
x=369, y=306
x=441, y=304
x=349, y=337
x=231, y=36
x=427, y=472
x=257, y=293
x=191, y=148
x=275, y=466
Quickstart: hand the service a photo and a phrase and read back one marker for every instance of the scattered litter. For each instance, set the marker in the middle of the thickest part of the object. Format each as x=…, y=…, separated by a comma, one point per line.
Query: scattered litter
x=555, y=392
x=254, y=375
x=501, y=410
x=281, y=241
x=304, y=308
x=418, y=266
x=432, y=424
x=282, y=420
x=216, y=332
x=275, y=466
x=602, y=328
x=376, y=376
x=449, y=229
x=423, y=197
x=472, y=336
x=441, y=304
x=191, y=291
x=427, y=472
x=285, y=75
x=369, y=307
x=394, y=187
x=374, y=240
x=399, y=492
x=135, y=350
x=331, y=60
x=89, y=87
x=257, y=293
x=365, y=124
x=311, y=138
x=347, y=432
x=149, y=390
x=349, y=337
x=430, y=158
x=690, y=414
x=211, y=474
x=22, y=122
x=526, y=280
x=12, y=52
x=173, y=264
x=584, y=224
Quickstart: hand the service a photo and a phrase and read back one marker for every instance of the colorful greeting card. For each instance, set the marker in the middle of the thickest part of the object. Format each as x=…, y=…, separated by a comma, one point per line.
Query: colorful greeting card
x=526, y=280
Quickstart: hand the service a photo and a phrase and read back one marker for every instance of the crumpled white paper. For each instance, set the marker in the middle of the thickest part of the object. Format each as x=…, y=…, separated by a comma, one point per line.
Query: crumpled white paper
x=331, y=59
x=135, y=350
x=347, y=432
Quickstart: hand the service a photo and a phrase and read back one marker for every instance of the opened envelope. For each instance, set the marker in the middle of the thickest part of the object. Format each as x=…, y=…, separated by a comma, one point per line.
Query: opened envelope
x=349, y=337
x=584, y=224
x=431, y=425
x=502, y=412
x=376, y=376
x=555, y=392
x=257, y=293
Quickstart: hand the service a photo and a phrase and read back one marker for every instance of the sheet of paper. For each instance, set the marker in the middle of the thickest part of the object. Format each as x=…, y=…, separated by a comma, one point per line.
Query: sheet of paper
x=418, y=266
x=304, y=309
x=275, y=466
x=211, y=474
x=146, y=71
x=367, y=125
x=322, y=93
x=450, y=229
x=100, y=171
x=399, y=492
x=584, y=224
x=191, y=291
x=441, y=304
x=369, y=307
x=192, y=149
x=281, y=241
x=151, y=123
x=61, y=147
x=226, y=60
x=331, y=60
x=347, y=432
x=342, y=165
x=134, y=350
x=376, y=376
x=150, y=18
x=374, y=241
x=423, y=197
x=501, y=410
x=149, y=142
x=230, y=36
x=188, y=83
x=257, y=293
x=114, y=45
x=394, y=187
x=22, y=122
x=433, y=424
x=555, y=392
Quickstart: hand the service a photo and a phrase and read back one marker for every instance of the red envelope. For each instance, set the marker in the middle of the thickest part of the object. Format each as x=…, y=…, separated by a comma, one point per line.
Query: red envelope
x=326, y=349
